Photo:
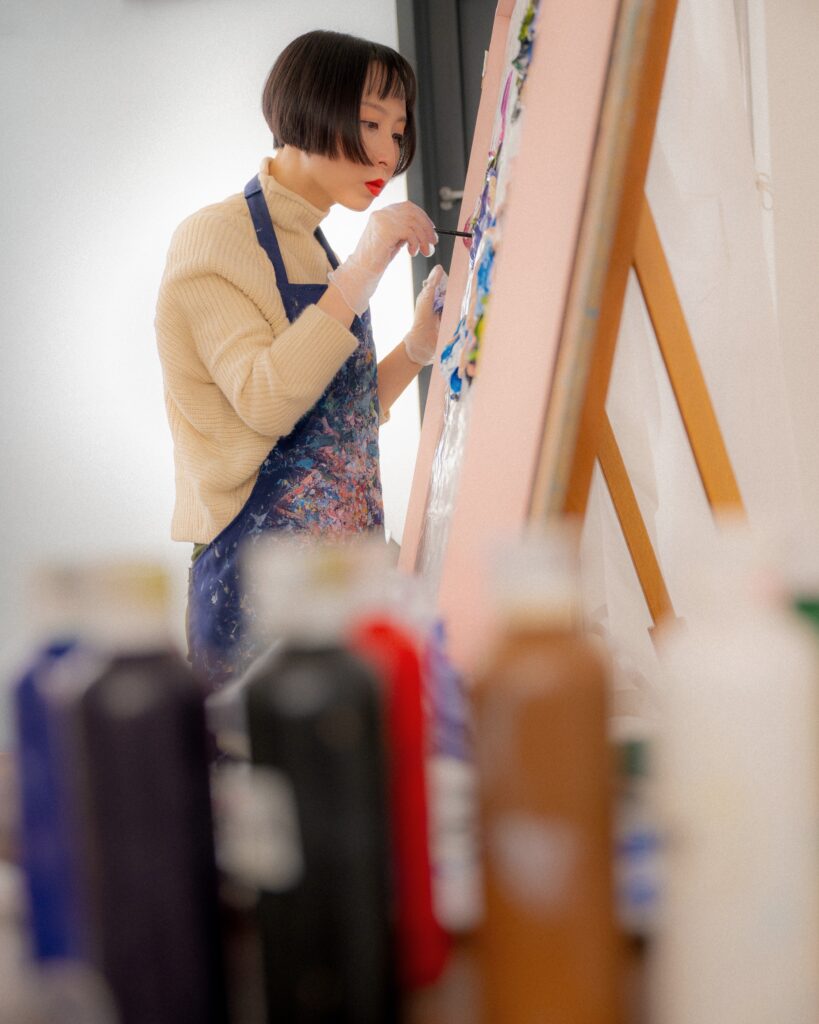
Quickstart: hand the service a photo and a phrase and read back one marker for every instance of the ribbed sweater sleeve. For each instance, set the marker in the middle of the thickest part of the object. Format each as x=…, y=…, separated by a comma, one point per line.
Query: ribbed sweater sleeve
x=220, y=285
x=270, y=380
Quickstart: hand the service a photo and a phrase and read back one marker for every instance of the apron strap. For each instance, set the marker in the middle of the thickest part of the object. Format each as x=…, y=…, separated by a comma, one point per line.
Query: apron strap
x=267, y=236
x=264, y=229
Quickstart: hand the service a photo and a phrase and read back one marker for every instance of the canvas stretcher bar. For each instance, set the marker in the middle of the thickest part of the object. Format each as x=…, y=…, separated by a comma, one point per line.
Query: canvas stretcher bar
x=604, y=257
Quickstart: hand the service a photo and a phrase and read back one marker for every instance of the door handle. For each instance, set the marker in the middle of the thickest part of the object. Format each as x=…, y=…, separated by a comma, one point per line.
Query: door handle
x=447, y=197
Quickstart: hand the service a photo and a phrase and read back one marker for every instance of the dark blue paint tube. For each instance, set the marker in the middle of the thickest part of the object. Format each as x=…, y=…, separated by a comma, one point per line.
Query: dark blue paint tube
x=126, y=719
x=45, y=854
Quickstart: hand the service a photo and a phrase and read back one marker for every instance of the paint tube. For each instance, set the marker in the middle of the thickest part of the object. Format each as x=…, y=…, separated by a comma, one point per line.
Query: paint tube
x=316, y=731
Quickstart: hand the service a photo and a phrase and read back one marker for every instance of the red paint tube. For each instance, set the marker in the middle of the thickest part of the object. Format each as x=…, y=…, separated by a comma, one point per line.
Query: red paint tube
x=423, y=945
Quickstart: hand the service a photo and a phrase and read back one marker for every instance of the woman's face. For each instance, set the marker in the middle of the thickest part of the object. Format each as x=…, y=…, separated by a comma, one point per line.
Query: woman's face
x=355, y=185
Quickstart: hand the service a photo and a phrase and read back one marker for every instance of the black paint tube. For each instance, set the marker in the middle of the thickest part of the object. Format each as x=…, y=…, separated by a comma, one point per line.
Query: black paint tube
x=315, y=726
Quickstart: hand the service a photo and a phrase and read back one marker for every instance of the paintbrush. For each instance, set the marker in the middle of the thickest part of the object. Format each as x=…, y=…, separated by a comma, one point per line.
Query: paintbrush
x=460, y=234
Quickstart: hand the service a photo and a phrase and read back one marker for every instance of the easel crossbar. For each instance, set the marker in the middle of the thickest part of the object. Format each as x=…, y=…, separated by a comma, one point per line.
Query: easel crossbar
x=683, y=367
x=631, y=523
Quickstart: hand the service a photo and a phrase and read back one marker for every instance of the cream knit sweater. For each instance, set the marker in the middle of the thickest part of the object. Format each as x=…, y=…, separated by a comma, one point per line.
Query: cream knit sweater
x=238, y=376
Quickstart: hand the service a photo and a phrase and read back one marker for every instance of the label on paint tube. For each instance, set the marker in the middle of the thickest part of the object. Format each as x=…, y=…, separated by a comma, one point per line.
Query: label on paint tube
x=257, y=832
x=534, y=860
x=456, y=873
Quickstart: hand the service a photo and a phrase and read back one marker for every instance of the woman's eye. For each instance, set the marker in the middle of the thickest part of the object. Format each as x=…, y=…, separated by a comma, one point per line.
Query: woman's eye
x=399, y=139
x=371, y=125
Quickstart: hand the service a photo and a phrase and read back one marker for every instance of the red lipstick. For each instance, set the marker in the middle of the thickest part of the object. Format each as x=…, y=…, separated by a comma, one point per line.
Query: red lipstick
x=375, y=186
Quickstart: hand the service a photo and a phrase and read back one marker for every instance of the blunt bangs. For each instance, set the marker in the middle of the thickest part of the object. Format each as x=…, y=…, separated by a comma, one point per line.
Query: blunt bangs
x=312, y=96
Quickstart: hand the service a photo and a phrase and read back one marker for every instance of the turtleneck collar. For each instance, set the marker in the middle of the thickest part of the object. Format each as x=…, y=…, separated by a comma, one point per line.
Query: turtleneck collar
x=292, y=210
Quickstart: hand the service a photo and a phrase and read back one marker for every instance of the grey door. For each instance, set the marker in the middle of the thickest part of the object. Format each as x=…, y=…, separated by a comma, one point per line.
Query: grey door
x=445, y=40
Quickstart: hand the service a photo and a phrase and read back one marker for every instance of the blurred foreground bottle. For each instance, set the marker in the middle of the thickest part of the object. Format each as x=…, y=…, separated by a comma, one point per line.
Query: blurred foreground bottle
x=548, y=942
x=127, y=719
x=457, y=896
x=57, y=991
x=316, y=729
x=637, y=862
x=637, y=869
x=801, y=574
x=392, y=651
x=738, y=793
x=456, y=868
x=54, y=612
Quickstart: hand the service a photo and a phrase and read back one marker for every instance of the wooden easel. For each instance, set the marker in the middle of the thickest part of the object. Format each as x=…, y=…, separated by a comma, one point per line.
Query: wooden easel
x=619, y=233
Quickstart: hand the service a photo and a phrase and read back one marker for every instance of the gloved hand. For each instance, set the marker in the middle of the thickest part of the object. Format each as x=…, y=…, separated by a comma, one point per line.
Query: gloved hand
x=422, y=338
x=387, y=230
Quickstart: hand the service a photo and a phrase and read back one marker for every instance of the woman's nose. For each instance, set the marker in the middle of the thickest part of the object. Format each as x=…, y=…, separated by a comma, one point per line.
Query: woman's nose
x=384, y=156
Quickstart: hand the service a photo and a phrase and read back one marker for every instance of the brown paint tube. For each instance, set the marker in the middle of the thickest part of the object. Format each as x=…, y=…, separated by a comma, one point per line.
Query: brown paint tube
x=548, y=945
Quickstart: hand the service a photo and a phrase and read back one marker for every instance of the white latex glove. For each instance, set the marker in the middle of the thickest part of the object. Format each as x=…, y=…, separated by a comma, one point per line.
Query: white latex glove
x=386, y=231
x=423, y=335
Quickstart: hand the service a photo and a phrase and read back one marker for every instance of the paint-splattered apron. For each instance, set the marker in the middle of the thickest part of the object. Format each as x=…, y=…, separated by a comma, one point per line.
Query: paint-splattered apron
x=321, y=480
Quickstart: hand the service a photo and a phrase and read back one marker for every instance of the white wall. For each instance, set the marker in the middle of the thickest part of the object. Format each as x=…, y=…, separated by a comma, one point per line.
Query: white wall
x=119, y=118
x=793, y=57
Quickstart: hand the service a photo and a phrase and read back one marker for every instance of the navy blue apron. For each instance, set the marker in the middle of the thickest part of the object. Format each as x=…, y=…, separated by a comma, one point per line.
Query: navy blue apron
x=322, y=480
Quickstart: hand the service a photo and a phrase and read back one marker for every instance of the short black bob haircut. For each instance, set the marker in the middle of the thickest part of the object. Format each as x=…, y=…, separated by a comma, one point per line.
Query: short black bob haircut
x=312, y=96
